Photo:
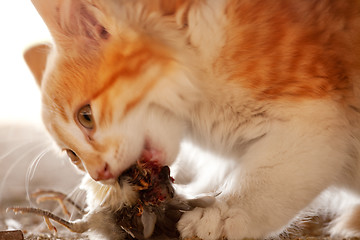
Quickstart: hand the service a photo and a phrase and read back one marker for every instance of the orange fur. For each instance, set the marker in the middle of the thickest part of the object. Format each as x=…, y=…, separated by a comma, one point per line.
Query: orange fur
x=124, y=68
x=288, y=55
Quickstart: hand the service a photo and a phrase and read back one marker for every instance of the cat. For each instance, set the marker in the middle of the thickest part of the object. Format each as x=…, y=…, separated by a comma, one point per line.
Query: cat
x=272, y=87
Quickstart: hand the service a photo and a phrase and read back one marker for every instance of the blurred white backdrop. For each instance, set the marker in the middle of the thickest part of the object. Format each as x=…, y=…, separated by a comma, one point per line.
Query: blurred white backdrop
x=28, y=158
x=20, y=26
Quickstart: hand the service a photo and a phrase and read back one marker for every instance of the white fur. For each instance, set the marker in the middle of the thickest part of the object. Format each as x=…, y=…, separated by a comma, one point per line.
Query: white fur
x=274, y=180
x=113, y=196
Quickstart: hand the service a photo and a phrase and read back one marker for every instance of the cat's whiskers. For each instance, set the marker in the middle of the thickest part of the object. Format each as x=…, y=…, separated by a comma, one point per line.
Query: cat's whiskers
x=17, y=139
x=16, y=162
x=31, y=170
x=14, y=149
x=76, y=194
x=76, y=206
x=108, y=191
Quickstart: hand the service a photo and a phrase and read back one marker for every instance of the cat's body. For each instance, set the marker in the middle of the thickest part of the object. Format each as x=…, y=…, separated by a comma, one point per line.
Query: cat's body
x=271, y=86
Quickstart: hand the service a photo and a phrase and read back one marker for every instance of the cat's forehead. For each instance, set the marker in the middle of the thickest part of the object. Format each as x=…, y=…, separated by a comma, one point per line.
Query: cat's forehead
x=119, y=76
x=69, y=82
x=118, y=61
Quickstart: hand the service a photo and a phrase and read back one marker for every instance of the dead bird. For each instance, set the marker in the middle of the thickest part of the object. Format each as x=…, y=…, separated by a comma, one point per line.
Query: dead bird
x=147, y=207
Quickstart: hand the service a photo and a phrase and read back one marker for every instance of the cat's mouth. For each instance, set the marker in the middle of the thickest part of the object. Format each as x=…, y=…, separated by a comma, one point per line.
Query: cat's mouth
x=150, y=159
x=149, y=155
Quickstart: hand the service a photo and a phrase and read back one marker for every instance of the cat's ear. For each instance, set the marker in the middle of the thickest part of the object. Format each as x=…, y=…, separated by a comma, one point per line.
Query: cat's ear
x=72, y=22
x=36, y=58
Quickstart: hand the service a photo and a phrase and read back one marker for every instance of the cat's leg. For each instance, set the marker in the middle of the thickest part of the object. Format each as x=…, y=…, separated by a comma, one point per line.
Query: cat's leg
x=278, y=176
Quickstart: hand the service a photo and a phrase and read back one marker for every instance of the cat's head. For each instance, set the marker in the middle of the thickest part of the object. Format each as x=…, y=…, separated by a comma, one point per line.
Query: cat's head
x=109, y=92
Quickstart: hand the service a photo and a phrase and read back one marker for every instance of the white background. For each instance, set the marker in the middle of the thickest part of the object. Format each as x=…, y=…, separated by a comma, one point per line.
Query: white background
x=22, y=139
x=20, y=26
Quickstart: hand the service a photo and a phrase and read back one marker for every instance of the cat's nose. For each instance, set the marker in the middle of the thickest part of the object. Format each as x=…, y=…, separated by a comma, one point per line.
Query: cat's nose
x=104, y=174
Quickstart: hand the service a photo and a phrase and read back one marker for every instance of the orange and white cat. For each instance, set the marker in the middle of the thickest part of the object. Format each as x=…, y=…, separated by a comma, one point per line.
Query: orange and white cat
x=273, y=87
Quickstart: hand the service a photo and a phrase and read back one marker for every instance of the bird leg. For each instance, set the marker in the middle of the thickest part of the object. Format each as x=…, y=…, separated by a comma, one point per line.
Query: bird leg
x=61, y=198
x=78, y=226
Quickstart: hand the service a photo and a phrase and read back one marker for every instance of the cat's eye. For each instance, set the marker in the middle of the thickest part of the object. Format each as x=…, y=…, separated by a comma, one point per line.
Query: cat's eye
x=85, y=118
x=73, y=157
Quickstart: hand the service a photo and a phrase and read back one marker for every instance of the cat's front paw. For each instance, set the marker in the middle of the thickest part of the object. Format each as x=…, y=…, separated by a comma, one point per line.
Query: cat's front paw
x=205, y=223
x=215, y=222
